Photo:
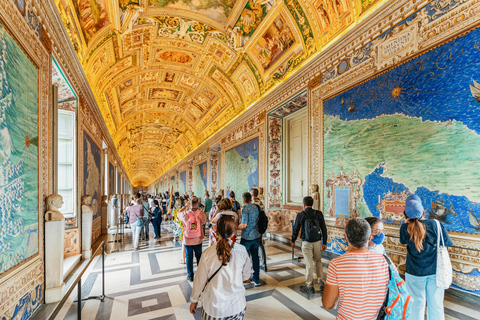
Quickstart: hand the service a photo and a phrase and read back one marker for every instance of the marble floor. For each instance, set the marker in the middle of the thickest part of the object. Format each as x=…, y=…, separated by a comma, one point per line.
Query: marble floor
x=151, y=284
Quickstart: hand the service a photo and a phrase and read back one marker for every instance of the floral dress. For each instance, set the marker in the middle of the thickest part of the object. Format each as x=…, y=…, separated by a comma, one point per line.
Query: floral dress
x=212, y=234
x=177, y=223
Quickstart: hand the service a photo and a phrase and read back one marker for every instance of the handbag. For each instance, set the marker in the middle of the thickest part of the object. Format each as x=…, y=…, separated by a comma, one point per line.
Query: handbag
x=444, y=265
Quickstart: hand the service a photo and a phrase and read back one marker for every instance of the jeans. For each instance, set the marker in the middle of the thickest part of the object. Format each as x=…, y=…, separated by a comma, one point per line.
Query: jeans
x=189, y=257
x=312, y=252
x=144, y=233
x=425, y=289
x=262, y=255
x=157, y=224
x=252, y=247
x=135, y=233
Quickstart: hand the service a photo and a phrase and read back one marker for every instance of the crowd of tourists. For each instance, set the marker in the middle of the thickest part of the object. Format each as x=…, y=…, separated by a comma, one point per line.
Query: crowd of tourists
x=362, y=283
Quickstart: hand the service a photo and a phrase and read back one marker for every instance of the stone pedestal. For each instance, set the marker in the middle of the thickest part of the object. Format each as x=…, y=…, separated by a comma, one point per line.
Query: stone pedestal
x=118, y=208
x=110, y=213
x=87, y=228
x=54, y=249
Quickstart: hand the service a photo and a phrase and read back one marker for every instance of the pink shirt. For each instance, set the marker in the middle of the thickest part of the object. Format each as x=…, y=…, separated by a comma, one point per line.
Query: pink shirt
x=203, y=220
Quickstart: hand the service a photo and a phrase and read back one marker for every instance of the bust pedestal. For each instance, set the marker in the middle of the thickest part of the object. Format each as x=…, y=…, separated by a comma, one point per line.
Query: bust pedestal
x=87, y=227
x=54, y=249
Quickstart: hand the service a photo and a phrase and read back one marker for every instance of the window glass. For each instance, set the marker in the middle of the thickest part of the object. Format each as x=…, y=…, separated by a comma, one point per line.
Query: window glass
x=66, y=161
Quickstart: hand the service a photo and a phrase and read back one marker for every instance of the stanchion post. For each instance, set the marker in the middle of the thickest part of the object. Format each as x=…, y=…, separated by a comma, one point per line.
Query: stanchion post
x=79, y=299
x=103, y=272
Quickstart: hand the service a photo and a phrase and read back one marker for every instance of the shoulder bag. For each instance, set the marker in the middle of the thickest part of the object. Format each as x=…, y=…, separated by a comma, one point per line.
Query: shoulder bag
x=444, y=265
x=140, y=222
x=213, y=275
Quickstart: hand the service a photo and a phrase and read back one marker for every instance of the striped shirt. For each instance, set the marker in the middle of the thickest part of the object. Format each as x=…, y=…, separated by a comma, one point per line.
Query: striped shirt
x=362, y=279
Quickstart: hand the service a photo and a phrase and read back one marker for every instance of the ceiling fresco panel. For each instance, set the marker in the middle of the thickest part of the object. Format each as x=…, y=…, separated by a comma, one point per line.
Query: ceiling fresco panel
x=168, y=74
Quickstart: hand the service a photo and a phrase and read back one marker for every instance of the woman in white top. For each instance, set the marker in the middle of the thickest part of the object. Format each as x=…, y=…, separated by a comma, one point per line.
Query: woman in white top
x=220, y=275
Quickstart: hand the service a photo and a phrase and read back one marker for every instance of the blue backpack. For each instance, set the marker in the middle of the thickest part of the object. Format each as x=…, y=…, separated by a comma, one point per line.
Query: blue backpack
x=398, y=303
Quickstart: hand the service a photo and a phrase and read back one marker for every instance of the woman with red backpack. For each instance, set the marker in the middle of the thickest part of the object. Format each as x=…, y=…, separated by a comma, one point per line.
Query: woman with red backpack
x=193, y=220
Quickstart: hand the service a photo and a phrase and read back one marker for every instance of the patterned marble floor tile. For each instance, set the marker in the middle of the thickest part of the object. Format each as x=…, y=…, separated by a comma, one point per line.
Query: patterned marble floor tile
x=151, y=284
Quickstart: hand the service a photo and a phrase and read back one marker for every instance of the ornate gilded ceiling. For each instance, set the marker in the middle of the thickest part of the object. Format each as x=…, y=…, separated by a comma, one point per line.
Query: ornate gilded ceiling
x=168, y=74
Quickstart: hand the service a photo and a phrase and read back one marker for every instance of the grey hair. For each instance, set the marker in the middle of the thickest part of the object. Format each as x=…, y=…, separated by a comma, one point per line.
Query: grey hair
x=358, y=232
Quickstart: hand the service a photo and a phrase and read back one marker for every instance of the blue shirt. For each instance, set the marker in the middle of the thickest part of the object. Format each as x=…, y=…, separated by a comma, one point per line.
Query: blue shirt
x=250, y=217
x=423, y=263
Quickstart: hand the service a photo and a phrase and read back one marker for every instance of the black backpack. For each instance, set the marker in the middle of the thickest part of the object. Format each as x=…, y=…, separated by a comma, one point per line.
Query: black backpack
x=312, y=230
x=262, y=220
x=235, y=206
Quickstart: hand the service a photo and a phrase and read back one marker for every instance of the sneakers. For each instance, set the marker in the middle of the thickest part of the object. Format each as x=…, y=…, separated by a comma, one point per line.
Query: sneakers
x=306, y=289
x=257, y=284
x=322, y=285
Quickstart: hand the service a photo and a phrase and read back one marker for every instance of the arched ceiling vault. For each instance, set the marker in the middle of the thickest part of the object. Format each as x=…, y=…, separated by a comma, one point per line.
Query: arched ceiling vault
x=168, y=74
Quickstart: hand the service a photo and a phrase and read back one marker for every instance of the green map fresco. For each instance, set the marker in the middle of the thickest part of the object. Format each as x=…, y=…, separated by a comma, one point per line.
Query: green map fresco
x=446, y=150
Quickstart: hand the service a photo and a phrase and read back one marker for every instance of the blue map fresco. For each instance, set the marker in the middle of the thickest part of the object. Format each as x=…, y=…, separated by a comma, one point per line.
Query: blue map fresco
x=241, y=167
x=92, y=173
x=414, y=128
x=18, y=154
x=183, y=182
x=200, y=176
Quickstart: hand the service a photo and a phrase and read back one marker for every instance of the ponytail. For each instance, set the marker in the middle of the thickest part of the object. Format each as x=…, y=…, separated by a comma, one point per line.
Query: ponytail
x=417, y=233
x=226, y=228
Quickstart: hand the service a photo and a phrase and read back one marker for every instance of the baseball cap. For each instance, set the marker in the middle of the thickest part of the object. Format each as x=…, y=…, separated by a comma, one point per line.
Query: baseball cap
x=413, y=207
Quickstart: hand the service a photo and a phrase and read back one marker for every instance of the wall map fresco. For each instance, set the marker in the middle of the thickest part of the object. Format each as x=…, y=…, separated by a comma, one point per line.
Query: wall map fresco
x=200, y=176
x=414, y=129
x=241, y=167
x=18, y=154
x=92, y=173
x=182, y=186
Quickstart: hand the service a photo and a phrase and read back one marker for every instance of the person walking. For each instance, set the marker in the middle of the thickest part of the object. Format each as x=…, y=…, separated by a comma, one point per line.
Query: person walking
x=251, y=237
x=208, y=203
x=421, y=236
x=145, y=230
x=135, y=214
x=220, y=275
x=156, y=210
x=235, y=205
x=193, y=219
x=212, y=238
x=314, y=241
x=358, y=279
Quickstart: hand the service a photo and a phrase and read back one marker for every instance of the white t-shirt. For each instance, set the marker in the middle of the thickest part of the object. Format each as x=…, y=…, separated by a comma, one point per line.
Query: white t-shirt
x=224, y=295
x=378, y=249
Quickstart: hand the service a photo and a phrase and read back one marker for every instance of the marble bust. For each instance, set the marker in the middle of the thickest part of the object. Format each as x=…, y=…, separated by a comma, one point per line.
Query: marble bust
x=315, y=195
x=86, y=201
x=54, y=202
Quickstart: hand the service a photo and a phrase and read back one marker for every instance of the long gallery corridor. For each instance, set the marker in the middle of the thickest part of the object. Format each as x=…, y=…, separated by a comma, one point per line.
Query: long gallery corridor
x=232, y=132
